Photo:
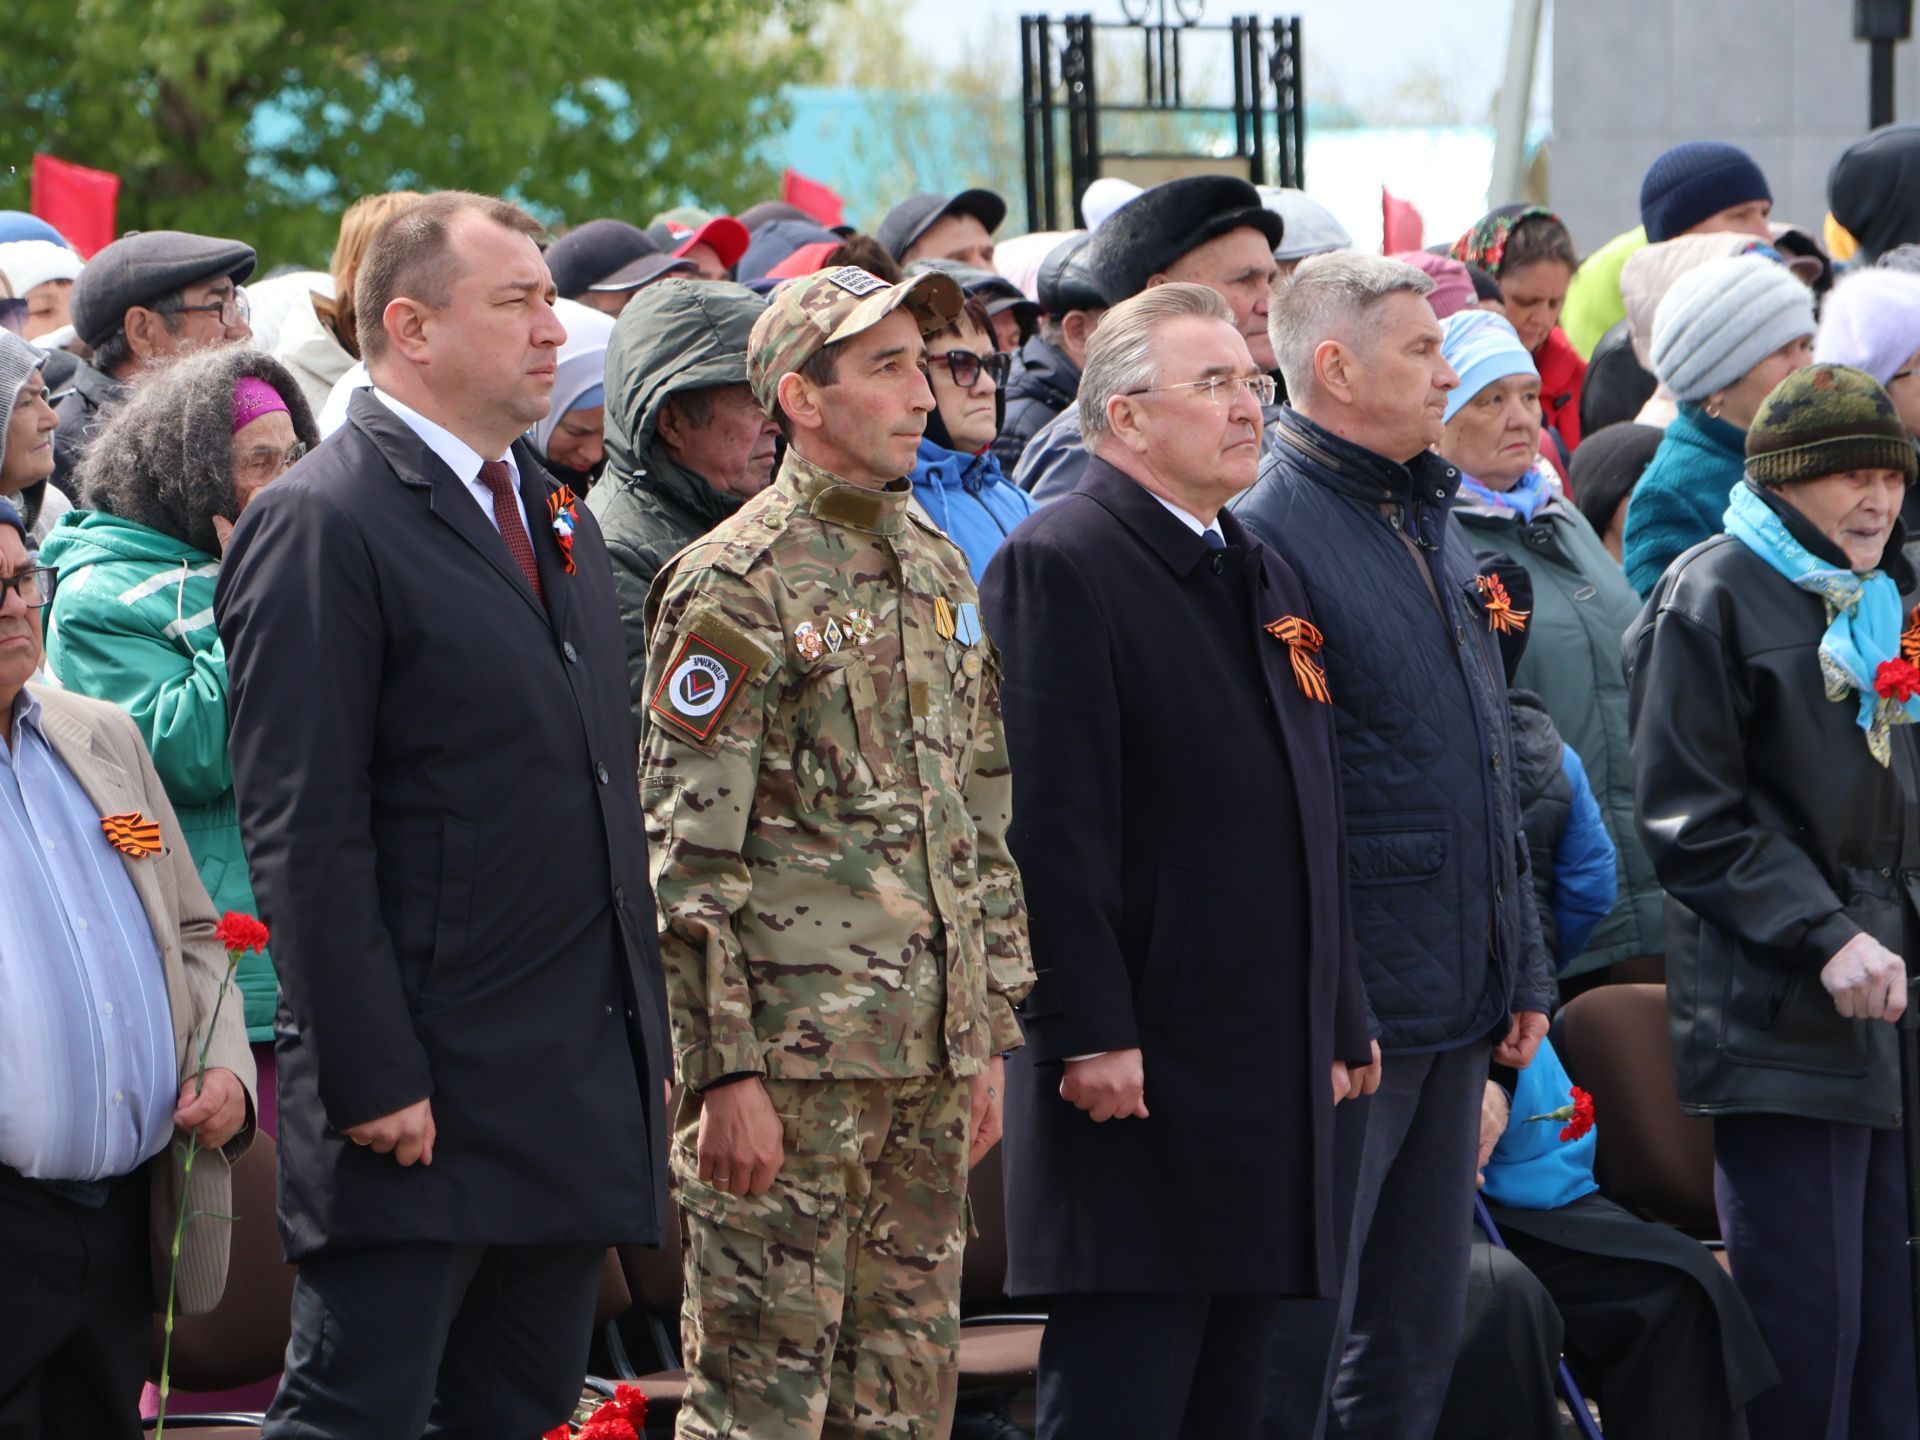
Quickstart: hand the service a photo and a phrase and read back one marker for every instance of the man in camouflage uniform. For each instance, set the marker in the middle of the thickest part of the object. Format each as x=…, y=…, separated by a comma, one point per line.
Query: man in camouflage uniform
x=827, y=794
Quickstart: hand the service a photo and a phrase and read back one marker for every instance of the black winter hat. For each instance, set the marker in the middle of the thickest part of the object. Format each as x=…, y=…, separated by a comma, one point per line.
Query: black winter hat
x=1066, y=280
x=1155, y=228
x=1873, y=190
x=1606, y=466
x=1696, y=180
x=913, y=217
x=589, y=253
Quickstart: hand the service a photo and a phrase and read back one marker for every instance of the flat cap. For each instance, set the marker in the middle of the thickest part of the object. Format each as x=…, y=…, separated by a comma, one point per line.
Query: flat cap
x=1066, y=281
x=143, y=266
x=1147, y=234
x=914, y=216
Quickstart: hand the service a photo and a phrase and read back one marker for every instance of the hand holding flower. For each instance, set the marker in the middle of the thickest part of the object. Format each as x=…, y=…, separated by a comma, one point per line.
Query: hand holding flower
x=212, y=1108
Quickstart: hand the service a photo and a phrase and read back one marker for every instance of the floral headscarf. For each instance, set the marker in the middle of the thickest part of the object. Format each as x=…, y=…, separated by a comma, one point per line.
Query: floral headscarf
x=1485, y=245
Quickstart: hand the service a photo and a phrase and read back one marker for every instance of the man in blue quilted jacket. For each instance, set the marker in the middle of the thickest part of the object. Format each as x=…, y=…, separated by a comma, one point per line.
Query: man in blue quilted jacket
x=1450, y=948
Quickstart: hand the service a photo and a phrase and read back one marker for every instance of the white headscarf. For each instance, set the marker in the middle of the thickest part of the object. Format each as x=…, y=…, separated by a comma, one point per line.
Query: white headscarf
x=582, y=366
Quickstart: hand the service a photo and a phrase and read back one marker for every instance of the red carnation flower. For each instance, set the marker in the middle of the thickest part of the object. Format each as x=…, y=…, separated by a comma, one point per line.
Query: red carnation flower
x=1897, y=680
x=1581, y=1121
x=559, y=1432
x=608, y=1424
x=240, y=933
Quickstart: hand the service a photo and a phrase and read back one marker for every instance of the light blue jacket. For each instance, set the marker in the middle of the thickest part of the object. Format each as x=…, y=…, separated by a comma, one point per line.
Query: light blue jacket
x=969, y=499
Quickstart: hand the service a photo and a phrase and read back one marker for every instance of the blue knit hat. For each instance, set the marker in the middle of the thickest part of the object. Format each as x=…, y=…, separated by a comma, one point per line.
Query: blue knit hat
x=1871, y=321
x=1694, y=181
x=1482, y=347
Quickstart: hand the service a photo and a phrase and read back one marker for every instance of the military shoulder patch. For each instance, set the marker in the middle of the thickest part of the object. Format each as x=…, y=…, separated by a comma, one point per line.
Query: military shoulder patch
x=707, y=672
x=856, y=281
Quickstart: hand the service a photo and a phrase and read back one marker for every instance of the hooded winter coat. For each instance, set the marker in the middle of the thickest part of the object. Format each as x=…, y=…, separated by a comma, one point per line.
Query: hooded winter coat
x=674, y=335
x=974, y=505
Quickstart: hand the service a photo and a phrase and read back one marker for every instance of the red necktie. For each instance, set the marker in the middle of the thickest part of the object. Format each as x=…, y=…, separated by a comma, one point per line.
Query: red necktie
x=498, y=479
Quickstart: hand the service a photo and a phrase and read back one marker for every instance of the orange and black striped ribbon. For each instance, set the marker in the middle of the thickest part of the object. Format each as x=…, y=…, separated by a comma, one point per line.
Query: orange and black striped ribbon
x=1303, y=639
x=1910, y=638
x=132, y=834
x=559, y=500
x=1502, y=618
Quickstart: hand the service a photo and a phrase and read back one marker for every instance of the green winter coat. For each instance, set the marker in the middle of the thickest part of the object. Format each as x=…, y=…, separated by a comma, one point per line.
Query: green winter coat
x=132, y=623
x=1582, y=605
x=674, y=335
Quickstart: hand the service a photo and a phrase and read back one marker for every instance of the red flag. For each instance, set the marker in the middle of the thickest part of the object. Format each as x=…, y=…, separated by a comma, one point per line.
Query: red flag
x=1402, y=227
x=76, y=201
x=816, y=199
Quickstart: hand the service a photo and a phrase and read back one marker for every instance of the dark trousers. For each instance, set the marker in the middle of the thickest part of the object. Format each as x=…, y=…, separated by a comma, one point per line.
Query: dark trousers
x=1153, y=1367
x=1403, y=1174
x=459, y=1342
x=1503, y=1378
x=1815, y=1219
x=76, y=1298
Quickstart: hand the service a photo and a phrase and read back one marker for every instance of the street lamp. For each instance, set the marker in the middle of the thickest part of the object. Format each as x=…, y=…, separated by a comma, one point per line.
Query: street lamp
x=1882, y=24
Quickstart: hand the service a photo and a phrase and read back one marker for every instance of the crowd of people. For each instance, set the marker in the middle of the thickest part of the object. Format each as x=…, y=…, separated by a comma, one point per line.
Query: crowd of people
x=723, y=720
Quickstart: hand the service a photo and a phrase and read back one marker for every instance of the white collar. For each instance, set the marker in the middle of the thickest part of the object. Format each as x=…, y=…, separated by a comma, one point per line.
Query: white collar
x=460, y=457
x=1186, y=518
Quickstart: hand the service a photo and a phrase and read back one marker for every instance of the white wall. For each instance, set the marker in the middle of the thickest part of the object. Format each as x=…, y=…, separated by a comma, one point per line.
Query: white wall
x=1783, y=79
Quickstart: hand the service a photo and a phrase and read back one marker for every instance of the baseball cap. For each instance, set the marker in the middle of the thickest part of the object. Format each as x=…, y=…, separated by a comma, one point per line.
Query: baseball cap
x=644, y=271
x=727, y=237
x=805, y=316
x=913, y=217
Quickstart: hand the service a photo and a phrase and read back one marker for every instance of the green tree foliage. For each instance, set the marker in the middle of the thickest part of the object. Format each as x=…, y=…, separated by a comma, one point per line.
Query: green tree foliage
x=263, y=119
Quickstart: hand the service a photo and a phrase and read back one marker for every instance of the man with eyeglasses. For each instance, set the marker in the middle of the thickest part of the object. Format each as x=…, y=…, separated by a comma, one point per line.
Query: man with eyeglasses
x=1359, y=504
x=1207, y=230
x=147, y=297
x=1177, y=821
x=108, y=975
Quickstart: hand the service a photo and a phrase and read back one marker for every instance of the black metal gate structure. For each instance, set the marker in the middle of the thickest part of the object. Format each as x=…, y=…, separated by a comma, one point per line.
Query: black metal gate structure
x=1164, y=119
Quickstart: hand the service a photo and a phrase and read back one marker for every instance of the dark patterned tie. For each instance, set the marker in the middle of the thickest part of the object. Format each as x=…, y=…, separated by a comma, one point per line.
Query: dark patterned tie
x=498, y=479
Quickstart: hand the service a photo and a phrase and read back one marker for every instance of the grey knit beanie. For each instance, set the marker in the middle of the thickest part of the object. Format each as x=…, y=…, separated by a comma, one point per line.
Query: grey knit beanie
x=18, y=360
x=1722, y=319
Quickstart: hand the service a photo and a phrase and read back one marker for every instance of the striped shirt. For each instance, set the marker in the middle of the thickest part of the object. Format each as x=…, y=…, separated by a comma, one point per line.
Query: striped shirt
x=87, y=1080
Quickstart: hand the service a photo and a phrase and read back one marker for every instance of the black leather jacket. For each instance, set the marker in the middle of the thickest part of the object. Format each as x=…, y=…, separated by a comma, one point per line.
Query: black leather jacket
x=1777, y=836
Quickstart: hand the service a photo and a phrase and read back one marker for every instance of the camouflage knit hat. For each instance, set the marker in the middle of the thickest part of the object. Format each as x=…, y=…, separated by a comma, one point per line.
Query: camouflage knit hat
x=804, y=317
x=1826, y=420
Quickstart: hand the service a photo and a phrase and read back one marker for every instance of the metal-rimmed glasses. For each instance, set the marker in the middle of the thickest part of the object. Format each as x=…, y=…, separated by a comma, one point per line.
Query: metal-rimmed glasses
x=1222, y=389
x=965, y=367
x=234, y=310
x=33, y=585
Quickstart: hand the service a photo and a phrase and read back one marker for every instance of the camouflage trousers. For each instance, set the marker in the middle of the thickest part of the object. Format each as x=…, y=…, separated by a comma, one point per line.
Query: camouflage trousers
x=830, y=1306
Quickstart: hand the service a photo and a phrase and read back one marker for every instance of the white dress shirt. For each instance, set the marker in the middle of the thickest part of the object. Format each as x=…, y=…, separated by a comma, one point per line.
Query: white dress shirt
x=1192, y=522
x=460, y=457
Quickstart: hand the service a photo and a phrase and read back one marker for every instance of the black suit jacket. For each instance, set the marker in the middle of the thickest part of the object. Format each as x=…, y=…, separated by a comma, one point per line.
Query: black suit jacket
x=1177, y=821
x=436, y=783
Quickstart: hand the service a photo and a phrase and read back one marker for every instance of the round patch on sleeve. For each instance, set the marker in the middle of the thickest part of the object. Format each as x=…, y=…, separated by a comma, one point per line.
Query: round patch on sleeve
x=700, y=684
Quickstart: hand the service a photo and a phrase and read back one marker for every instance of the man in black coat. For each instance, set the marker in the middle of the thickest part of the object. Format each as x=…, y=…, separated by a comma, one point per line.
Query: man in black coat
x=435, y=767
x=1449, y=940
x=1177, y=821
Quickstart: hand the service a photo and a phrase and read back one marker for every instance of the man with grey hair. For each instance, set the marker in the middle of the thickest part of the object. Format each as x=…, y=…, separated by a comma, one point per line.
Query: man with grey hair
x=1206, y=230
x=1352, y=497
x=1139, y=619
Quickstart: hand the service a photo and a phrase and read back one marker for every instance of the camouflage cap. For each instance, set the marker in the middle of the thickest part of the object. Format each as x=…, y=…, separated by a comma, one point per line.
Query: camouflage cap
x=805, y=316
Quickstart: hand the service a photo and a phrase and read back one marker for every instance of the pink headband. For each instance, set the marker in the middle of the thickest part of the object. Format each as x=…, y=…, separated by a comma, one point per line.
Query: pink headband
x=252, y=398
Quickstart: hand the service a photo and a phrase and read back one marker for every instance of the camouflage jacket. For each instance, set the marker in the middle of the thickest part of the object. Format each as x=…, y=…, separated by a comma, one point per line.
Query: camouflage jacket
x=825, y=778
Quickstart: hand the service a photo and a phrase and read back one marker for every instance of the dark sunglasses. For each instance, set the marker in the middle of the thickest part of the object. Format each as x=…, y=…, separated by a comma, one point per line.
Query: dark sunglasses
x=965, y=367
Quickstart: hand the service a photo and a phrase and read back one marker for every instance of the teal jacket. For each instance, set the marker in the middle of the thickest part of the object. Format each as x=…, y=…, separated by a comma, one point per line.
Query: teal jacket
x=132, y=623
x=1682, y=494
